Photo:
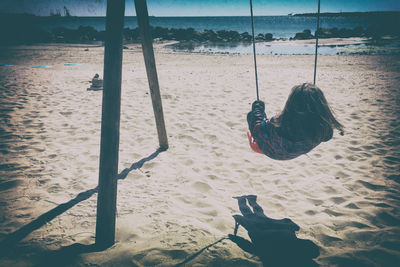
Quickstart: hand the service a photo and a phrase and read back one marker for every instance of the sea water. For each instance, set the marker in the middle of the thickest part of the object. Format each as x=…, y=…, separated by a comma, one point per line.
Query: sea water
x=279, y=26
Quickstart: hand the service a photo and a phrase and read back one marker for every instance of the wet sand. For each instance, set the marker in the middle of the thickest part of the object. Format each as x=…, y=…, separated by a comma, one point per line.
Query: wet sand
x=344, y=194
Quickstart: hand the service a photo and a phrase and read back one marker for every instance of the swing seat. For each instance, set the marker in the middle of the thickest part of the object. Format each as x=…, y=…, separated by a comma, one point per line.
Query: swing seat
x=253, y=144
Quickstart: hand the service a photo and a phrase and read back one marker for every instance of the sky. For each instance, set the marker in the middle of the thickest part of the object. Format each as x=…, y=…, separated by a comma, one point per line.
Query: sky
x=198, y=7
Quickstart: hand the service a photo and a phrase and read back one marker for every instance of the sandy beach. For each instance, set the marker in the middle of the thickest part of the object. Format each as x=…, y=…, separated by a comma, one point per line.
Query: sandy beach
x=344, y=195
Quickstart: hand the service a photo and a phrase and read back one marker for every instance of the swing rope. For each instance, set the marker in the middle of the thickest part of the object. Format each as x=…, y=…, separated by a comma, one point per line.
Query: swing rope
x=254, y=47
x=254, y=44
x=316, y=41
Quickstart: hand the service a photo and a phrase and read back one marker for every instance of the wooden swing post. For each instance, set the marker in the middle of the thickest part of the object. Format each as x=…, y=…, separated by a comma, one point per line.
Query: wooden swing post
x=109, y=143
x=148, y=53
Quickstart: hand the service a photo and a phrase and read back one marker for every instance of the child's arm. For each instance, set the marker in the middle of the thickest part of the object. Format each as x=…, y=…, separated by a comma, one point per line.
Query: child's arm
x=256, y=115
x=257, y=119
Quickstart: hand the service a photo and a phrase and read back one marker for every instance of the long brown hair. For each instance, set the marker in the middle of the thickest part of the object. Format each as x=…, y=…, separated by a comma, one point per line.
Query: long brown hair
x=307, y=115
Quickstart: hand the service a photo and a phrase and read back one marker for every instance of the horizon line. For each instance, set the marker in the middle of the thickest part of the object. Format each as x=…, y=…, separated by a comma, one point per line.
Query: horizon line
x=166, y=16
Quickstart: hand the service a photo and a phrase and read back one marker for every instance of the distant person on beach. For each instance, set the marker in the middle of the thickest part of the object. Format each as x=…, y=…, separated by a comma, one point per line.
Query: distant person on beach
x=97, y=83
x=304, y=123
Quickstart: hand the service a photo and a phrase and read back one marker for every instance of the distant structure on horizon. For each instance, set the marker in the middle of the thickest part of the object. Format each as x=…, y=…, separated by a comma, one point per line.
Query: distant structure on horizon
x=57, y=13
x=349, y=14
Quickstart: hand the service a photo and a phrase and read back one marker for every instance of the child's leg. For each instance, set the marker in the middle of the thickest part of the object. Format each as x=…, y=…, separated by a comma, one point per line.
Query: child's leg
x=253, y=144
x=244, y=209
x=256, y=208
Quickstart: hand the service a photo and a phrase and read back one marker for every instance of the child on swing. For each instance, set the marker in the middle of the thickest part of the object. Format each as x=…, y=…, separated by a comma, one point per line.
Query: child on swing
x=304, y=123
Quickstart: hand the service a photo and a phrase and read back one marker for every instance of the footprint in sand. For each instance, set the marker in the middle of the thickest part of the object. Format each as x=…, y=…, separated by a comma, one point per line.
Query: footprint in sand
x=310, y=212
x=189, y=162
x=341, y=174
x=373, y=187
x=337, y=200
x=333, y=213
x=66, y=114
x=328, y=241
x=316, y=202
x=201, y=187
x=352, y=206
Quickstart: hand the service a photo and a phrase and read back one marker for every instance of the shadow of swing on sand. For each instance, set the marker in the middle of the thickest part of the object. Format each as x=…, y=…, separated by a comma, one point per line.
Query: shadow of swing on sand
x=274, y=242
x=13, y=238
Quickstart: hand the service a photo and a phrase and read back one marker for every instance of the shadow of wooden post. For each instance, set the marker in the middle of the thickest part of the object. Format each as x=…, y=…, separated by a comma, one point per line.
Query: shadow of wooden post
x=9, y=241
x=109, y=144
